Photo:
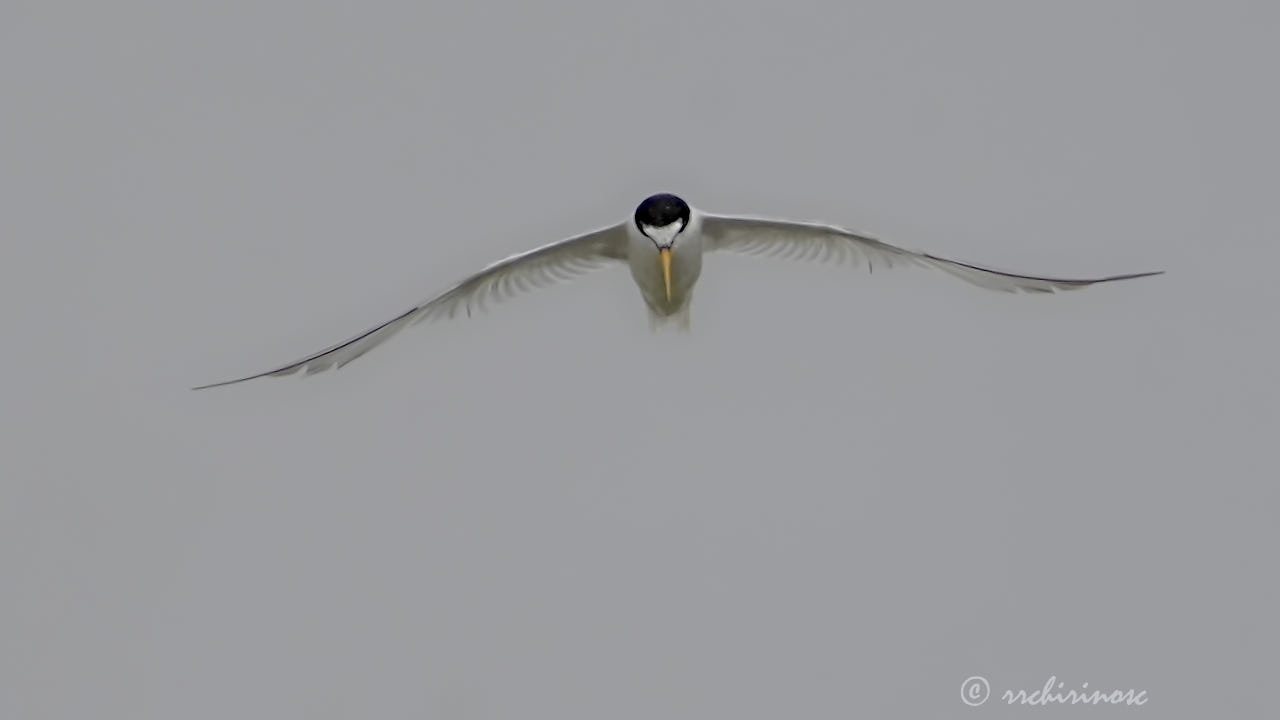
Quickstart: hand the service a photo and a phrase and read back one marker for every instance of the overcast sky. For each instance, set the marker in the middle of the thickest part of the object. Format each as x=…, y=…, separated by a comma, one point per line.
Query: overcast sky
x=840, y=496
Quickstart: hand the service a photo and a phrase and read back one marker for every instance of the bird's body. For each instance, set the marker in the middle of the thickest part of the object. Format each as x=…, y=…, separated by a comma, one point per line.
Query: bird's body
x=668, y=296
x=663, y=244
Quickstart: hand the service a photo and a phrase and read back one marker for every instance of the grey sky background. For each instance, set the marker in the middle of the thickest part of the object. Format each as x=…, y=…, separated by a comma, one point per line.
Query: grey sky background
x=838, y=497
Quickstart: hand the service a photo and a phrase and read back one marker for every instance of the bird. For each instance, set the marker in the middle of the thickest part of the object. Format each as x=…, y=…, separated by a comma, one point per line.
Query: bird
x=663, y=243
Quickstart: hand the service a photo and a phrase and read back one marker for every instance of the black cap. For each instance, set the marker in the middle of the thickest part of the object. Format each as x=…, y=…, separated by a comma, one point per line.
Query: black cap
x=662, y=210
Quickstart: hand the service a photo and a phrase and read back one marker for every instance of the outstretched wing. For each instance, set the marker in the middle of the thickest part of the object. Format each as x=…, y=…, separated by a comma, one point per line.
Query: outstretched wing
x=535, y=268
x=827, y=243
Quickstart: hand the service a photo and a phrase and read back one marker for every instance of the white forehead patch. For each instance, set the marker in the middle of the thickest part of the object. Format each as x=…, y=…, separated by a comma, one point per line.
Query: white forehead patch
x=663, y=234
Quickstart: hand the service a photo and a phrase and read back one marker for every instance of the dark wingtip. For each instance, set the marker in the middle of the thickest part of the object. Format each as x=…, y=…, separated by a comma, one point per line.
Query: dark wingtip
x=1133, y=276
x=220, y=384
x=237, y=380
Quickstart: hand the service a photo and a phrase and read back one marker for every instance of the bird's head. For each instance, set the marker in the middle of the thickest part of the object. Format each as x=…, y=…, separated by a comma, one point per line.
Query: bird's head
x=662, y=218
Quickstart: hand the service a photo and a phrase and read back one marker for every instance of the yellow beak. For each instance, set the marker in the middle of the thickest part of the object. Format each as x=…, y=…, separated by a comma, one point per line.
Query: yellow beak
x=664, y=256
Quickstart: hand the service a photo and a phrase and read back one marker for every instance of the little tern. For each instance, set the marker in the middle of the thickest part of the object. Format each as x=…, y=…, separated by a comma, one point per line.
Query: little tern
x=663, y=243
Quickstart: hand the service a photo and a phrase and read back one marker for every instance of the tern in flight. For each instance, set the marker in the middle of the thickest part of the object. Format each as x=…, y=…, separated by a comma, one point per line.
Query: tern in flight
x=663, y=243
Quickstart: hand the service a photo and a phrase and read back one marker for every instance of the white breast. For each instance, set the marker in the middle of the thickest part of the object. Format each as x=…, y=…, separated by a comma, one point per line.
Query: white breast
x=646, y=269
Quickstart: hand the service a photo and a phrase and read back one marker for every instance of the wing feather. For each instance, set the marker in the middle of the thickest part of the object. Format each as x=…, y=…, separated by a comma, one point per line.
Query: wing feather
x=540, y=267
x=828, y=243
